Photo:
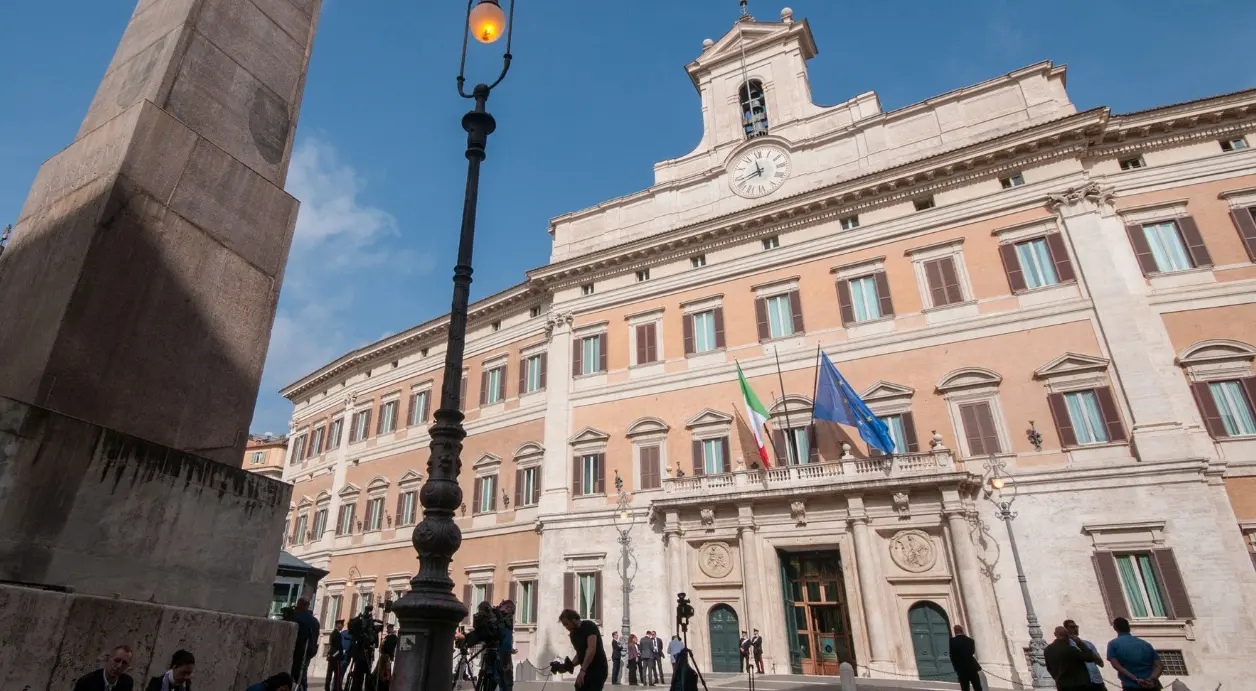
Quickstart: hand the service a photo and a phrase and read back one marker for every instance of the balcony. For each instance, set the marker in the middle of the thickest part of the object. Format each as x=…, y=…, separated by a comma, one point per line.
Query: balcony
x=908, y=465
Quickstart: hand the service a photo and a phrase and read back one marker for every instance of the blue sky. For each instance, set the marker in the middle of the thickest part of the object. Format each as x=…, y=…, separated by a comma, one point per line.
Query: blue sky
x=597, y=94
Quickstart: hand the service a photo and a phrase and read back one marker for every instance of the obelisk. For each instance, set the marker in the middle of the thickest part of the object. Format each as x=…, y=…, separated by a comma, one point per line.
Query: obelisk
x=137, y=295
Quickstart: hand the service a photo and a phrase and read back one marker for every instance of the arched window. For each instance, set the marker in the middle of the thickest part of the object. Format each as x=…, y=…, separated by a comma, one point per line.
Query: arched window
x=754, y=109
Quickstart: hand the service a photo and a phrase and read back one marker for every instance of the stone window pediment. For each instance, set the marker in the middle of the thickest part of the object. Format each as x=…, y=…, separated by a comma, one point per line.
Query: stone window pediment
x=647, y=426
x=486, y=464
x=969, y=378
x=377, y=484
x=590, y=435
x=1073, y=371
x=1217, y=359
x=708, y=418
x=410, y=479
x=529, y=448
x=793, y=408
x=322, y=498
x=305, y=502
x=350, y=491
x=884, y=390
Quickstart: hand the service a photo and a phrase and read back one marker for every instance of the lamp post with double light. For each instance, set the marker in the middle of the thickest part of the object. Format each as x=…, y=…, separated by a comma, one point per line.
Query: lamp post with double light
x=429, y=613
x=624, y=520
x=999, y=486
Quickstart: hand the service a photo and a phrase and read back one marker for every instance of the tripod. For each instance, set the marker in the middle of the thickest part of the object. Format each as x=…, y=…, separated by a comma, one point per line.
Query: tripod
x=685, y=663
x=488, y=676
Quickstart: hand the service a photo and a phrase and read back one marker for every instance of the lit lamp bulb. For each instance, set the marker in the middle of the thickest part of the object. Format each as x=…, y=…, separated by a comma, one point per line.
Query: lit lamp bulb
x=623, y=515
x=996, y=482
x=487, y=21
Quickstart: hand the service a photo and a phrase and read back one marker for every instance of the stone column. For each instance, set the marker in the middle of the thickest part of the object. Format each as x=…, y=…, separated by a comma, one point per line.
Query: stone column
x=870, y=583
x=556, y=468
x=752, y=576
x=341, y=468
x=675, y=565
x=1166, y=424
x=989, y=644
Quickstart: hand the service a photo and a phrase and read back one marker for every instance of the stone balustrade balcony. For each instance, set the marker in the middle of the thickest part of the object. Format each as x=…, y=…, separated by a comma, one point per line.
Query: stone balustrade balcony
x=810, y=475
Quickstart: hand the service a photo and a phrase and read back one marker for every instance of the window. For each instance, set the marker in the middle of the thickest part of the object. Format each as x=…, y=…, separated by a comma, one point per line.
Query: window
x=591, y=473
x=1166, y=246
x=298, y=449
x=258, y=457
x=534, y=312
x=361, y=425
x=527, y=596
x=333, y=437
x=979, y=430
x=864, y=301
x=643, y=275
x=493, y=386
x=1036, y=263
x=532, y=374
x=1131, y=163
x=298, y=533
x=587, y=596
x=485, y=494
x=771, y=242
x=850, y=222
x=418, y=406
x=647, y=343
x=586, y=289
x=331, y=613
x=754, y=109
x=407, y=504
x=320, y=523
x=1013, y=180
x=1142, y=588
x=797, y=445
x=527, y=486
x=698, y=262
x=462, y=392
x=923, y=204
x=1083, y=411
x=1234, y=408
x=590, y=355
x=650, y=471
x=479, y=593
x=316, y=441
x=1174, y=663
x=711, y=456
x=374, y=513
x=344, y=522
x=423, y=352
x=706, y=337
x=496, y=326
x=388, y=417
x=943, y=281
x=780, y=316
x=1233, y=144
x=898, y=432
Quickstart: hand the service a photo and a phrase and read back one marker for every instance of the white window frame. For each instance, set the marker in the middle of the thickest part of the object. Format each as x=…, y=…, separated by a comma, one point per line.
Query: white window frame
x=875, y=305
x=349, y=516
x=488, y=493
x=323, y=509
x=949, y=248
x=299, y=530
x=771, y=242
x=361, y=426
x=258, y=457
x=588, y=481
x=374, y=518
x=586, y=607
x=335, y=433
x=643, y=275
x=1093, y=428
x=424, y=390
x=525, y=590
x=974, y=385
x=409, y=510
x=850, y=222
x=1012, y=180
x=492, y=395
x=590, y=365
x=1235, y=144
x=527, y=363
x=697, y=261
x=786, y=320
x=587, y=289
x=388, y=409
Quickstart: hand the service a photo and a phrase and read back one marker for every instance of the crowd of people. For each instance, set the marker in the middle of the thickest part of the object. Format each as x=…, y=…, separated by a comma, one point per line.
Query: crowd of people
x=178, y=677
x=643, y=658
x=1073, y=662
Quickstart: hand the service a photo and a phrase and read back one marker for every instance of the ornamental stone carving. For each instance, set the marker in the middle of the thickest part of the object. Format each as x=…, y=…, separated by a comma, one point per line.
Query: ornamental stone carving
x=715, y=559
x=913, y=550
x=902, y=504
x=798, y=512
x=708, y=517
x=1091, y=191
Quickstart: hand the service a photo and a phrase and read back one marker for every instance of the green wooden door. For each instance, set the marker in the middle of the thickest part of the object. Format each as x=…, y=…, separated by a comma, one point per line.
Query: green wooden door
x=931, y=637
x=722, y=623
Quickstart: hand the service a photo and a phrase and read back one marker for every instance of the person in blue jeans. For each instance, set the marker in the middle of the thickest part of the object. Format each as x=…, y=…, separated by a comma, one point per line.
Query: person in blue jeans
x=1137, y=664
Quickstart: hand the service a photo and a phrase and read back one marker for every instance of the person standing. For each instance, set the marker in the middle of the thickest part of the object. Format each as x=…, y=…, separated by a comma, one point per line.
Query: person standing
x=646, y=646
x=964, y=660
x=743, y=652
x=673, y=652
x=1137, y=664
x=658, y=656
x=307, y=641
x=590, y=655
x=1066, y=663
x=111, y=677
x=634, y=659
x=1096, y=677
x=178, y=677
x=756, y=647
x=617, y=657
x=335, y=652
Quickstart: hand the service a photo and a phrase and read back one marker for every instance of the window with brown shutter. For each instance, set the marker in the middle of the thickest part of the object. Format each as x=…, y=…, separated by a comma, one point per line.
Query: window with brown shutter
x=577, y=357
x=795, y=307
x=1142, y=249
x=601, y=353
x=501, y=383
x=1245, y=221
x=687, y=329
x=1111, y=414
x=909, y=431
x=523, y=376
x=883, y=294
x=484, y=388
x=647, y=343
x=544, y=367
x=979, y=430
x=601, y=473
x=718, y=316
x=844, y=302
x=699, y=466
x=1177, y=599
x=577, y=476
x=1063, y=422
x=650, y=472
x=1110, y=585
x=1194, y=242
x=569, y=591
x=466, y=602
x=597, y=595
x=519, y=499
x=943, y=280
x=1059, y=255
x=1011, y=267
x=1208, y=410
x=761, y=318
x=476, y=495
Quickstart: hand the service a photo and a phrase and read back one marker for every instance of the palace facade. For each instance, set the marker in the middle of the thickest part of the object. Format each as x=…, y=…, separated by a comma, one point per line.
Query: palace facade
x=1007, y=281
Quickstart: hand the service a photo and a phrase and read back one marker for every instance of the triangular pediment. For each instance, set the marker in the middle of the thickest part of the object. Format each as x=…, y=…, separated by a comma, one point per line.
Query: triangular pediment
x=883, y=390
x=966, y=377
x=647, y=425
x=485, y=461
x=589, y=434
x=411, y=477
x=322, y=497
x=1072, y=363
x=753, y=33
x=349, y=490
x=708, y=417
x=305, y=501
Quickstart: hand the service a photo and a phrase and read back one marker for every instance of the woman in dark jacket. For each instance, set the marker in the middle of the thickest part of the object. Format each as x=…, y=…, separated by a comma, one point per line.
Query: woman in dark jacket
x=178, y=677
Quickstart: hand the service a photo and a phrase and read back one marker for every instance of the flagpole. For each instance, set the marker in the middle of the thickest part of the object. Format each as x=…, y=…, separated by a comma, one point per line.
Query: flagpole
x=772, y=437
x=815, y=389
x=789, y=427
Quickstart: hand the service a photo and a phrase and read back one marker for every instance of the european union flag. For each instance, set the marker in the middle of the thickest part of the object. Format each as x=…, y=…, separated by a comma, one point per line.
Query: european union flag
x=837, y=402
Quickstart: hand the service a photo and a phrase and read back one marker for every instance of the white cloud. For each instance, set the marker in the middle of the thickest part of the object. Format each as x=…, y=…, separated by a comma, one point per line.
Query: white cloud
x=338, y=238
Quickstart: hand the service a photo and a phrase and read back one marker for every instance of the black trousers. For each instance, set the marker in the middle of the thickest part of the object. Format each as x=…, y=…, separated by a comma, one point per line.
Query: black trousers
x=969, y=680
x=745, y=663
x=758, y=661
x=594, y=681
x=616, y=664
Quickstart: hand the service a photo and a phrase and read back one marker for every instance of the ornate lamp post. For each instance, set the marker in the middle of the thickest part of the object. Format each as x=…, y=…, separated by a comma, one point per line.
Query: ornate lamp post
x=1000, y=488
x=430, y=611
x=624, y=521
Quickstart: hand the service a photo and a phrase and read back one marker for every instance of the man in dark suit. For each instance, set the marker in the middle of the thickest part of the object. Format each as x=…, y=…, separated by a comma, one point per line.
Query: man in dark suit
x=756, y=647
x=1066, y=661
x=111, y=677
x=743, y=648
x=964, y=660
x=335, y=655
x=617, y=657
x=658, y=656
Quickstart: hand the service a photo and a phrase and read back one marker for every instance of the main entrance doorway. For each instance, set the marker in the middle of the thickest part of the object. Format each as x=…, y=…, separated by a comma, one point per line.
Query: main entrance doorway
x=817, y=618
x=725, y=636
x=931, y=637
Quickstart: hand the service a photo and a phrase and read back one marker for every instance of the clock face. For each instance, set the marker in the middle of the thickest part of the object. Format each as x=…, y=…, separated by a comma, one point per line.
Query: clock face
x=759, y=171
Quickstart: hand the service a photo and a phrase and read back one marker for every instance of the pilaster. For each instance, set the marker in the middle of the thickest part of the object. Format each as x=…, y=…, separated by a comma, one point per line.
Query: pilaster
x=556, y=468
x=870, y=583
x=968, y=573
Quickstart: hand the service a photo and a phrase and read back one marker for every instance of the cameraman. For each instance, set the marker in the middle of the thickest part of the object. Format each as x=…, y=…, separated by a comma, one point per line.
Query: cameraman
x=496, y=630
x=362, y=650
x=587, y=640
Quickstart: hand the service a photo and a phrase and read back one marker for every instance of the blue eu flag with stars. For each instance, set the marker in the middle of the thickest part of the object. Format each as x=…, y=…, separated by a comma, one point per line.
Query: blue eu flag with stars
x=837, y=402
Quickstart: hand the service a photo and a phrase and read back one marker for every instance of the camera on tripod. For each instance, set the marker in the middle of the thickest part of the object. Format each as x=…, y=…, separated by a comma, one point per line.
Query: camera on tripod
x=488, y=626
x=366, y=628
x=684, y=612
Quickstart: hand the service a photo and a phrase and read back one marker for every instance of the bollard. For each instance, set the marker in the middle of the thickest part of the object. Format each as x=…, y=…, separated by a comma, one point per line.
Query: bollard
x=847, y=676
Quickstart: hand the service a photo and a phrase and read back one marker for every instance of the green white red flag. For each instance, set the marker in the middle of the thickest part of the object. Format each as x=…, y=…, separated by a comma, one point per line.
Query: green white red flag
x=756, y=414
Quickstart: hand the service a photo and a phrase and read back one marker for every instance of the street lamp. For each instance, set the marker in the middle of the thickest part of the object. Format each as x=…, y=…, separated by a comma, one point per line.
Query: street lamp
x=1000, y=488
x=430, y=611
x=624, y=520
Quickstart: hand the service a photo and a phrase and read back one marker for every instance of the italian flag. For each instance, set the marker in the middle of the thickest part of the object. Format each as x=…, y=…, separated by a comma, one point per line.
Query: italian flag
x=755, y=413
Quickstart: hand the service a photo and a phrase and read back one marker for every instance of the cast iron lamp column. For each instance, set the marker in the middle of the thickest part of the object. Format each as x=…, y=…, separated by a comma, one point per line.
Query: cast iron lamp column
x=429, y=613
x=995, y=485
x=624, y=520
